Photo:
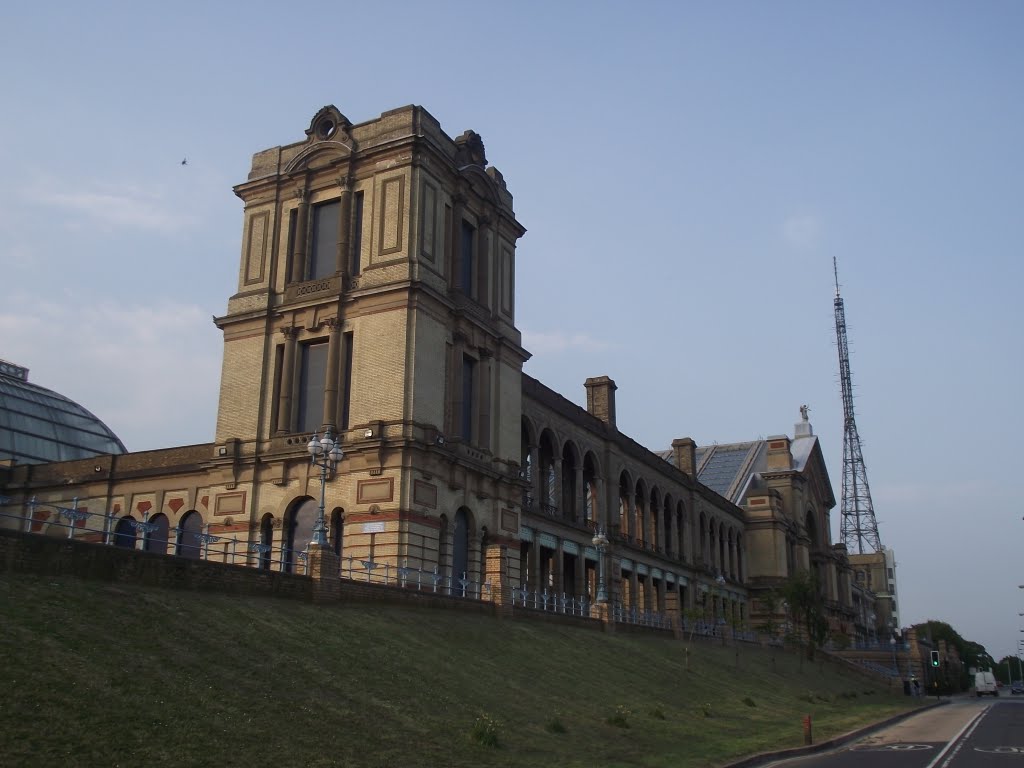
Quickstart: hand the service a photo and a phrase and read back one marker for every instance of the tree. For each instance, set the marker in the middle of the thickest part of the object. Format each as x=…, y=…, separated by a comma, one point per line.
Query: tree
x=802, y=593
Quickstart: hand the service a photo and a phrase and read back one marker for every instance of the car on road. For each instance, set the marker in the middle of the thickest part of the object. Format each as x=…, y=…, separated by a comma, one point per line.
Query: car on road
x=1016, y=687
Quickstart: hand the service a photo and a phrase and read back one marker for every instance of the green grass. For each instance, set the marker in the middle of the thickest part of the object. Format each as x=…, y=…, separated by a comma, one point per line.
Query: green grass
x=103, y=674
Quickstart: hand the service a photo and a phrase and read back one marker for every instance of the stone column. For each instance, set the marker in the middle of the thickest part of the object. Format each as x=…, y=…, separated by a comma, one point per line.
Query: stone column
x=557, y=566
x=581, y=573
x=323, y=566
x=674, y=549
x=455, y=259
x=482, y=253
x=634, y=589
x=298, y=270
x=334, y=357
x=533, y=584
x=579, y=503
x=284, y=402
x=342, y=259
x=483, y=408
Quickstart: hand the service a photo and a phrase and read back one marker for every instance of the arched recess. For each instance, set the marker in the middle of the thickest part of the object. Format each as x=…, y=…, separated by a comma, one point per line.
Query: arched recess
x=528, y=443
x=548, y=490
x=811, y=526
x=337, y=530
x=702, y=540
x=189, y=529
x=570, y=493
x=625, y=493
x=723, y=550
x=267, y=540
x=667, y=516
x=641, y=536
x=681, y=521
x=657, y=515
x=124, y=533
x=592, y=513
x=461, y=532
x=298, y=526
x=156, y=540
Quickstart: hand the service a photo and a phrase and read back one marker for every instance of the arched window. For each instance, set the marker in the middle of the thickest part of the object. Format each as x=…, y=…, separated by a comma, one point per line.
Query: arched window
x=337, y=530
x=189, y=529
x=299, y=522
x=156, y=541
x=124, y=533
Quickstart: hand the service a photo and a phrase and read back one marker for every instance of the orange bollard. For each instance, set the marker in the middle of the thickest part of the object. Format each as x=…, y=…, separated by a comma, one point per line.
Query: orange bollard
x=808, y=738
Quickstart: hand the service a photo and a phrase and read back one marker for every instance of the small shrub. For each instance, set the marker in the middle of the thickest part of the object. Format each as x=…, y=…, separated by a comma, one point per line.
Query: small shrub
x=749, y=702
x=485, y=730
x=706, y=709
x=808, y=697
x=657, y=713
x=555, y=725
x=619, y=718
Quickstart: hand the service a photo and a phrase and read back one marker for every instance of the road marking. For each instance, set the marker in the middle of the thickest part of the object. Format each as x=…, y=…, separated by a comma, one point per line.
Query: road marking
x=965, y=733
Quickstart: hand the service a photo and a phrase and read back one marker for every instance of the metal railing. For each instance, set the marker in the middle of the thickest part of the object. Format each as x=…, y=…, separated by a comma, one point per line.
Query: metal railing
x=98, y=528
x=551, y=602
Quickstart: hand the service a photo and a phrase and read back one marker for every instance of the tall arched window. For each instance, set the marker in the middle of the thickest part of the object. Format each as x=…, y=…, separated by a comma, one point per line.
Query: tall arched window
x=156, y=541
x=189, y=529
x=124, y=533
x=299, y=531
x=337, y=530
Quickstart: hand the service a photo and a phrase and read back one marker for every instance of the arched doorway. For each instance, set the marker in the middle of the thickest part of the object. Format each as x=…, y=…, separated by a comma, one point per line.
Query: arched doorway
x=157, y=539
x=124, y=533
x=337, y=530
x=299, y=526
x=189, y=530
x=460, y=545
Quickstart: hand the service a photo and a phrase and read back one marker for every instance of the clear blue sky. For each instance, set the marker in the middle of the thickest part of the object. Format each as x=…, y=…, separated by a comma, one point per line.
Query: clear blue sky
x=686, y=173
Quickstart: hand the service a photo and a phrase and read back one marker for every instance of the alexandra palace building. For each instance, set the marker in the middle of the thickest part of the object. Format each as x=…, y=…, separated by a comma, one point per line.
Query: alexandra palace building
x=376, y=301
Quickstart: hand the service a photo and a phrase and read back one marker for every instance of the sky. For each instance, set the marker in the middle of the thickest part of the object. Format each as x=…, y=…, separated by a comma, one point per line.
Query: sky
x=686, y=173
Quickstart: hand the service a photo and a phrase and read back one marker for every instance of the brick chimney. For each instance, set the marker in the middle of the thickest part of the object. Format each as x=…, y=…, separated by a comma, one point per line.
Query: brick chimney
x=601, y=398
x=684, y=451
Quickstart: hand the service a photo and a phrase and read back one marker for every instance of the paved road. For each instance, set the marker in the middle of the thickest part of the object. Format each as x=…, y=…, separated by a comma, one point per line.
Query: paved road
x=969, y=733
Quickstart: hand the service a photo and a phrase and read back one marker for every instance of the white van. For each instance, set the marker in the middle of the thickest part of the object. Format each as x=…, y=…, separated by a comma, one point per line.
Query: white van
x=985, y=683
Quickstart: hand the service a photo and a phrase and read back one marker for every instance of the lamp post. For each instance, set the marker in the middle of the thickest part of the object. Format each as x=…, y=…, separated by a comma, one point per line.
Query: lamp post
x=601, y=543
x=324, y=452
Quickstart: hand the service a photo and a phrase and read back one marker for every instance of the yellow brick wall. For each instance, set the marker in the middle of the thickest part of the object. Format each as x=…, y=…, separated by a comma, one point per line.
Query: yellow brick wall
x=240, y=381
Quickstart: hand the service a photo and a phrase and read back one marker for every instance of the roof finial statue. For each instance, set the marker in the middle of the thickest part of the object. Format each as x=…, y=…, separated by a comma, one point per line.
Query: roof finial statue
x=804, y=409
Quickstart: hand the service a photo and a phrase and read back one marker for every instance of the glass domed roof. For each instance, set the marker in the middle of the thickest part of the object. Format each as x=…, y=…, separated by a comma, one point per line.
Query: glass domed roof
x=38, y=425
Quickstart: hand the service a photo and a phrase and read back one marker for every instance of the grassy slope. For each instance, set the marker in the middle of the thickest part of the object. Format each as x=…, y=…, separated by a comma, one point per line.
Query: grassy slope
x=101, y=674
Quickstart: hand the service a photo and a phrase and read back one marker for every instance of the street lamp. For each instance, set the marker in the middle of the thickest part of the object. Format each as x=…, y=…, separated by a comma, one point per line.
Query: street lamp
x=324, y=452
x=601, y=543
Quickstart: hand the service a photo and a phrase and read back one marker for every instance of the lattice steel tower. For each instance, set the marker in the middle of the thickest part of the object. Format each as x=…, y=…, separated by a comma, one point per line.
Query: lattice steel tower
x=859, y=530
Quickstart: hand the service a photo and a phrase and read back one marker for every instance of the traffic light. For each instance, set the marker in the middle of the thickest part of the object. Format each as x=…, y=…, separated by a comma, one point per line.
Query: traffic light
x=935, y=658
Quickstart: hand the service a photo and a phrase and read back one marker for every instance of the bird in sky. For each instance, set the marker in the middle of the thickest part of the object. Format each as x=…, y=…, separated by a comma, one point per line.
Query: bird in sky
x=184, y=161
